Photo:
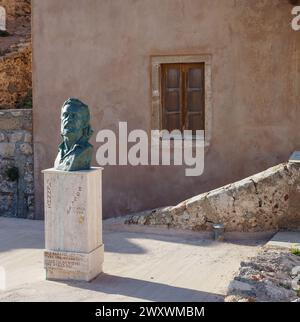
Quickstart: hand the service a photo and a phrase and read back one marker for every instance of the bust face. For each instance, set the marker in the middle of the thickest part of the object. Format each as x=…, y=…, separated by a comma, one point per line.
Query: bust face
x=75, y=152
x=71, y=120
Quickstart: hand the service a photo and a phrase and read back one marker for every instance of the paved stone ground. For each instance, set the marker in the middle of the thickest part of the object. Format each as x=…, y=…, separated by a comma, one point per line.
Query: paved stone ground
x=139, y=266
x=285, y=239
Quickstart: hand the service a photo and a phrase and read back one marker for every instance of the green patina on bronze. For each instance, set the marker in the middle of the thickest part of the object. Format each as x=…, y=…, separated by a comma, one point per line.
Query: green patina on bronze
x=75, y=152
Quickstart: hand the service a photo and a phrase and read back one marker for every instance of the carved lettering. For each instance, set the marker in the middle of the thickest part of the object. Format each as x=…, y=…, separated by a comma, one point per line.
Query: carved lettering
x=64, y=261
x=75, y=198
x=48, y=198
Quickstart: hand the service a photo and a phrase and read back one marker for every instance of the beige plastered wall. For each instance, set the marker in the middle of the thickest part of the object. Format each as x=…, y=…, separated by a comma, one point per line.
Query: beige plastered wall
x=100, y=51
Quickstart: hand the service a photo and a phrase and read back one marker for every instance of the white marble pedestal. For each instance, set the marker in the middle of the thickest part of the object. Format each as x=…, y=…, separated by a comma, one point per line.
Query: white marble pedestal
x=73, y=224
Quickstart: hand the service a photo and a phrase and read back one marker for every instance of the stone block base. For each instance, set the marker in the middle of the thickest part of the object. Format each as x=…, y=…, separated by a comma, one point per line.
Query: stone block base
x=61, y=265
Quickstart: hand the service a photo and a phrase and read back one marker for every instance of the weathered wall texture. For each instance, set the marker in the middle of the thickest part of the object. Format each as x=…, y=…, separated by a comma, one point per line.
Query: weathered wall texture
x=99, y=51
x=15, y=76
x=16, y=164
x=266, y=201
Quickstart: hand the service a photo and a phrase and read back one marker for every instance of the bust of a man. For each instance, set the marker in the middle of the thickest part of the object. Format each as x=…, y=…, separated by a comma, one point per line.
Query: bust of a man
x=75, y=152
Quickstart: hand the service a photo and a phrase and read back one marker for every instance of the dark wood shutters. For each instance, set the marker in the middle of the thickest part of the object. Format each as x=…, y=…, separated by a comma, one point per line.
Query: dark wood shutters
x=183, y=96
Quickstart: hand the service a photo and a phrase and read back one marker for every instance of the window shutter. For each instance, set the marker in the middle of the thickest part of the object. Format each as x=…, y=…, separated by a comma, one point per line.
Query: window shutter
x=194, y=97
x=172, y=96
x=183, y=97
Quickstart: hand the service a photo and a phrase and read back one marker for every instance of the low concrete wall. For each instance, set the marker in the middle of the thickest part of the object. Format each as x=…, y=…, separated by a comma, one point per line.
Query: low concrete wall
x=16, y=164
x=266, y=201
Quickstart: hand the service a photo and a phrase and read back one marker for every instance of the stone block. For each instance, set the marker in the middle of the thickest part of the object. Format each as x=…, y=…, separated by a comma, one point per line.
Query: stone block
x=16, y=136
x=29, y=187
x=28, y=177
x=73, y=221
x=2, y=137
x=7, y=150
x=28, y=138
x=10, y=122
x=74, y=266
x=7, y=186
x=6, y=203
x=26, y=148
x=237, y=287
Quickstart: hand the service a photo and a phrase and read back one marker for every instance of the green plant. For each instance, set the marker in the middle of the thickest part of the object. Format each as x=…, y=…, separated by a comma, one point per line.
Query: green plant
x=3, y=52
x=286, y=286
x=295, y=251
x=26, y=102
x=12, y=173
x=4, y=33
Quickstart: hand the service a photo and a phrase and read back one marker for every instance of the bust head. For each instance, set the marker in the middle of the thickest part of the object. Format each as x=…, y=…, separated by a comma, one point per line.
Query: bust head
x=75, y=120
x=75, y=152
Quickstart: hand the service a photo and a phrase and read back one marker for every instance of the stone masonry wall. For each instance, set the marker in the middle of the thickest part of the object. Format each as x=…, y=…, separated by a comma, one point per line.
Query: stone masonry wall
x=9, y=6
x=266, y=201
x=16, y=8
x=15, y=76
x=16, y=164
x=22, y=8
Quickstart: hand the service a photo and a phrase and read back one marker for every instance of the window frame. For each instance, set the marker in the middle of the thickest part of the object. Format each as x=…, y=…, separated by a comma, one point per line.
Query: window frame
x=156, y=89
x=184, y=89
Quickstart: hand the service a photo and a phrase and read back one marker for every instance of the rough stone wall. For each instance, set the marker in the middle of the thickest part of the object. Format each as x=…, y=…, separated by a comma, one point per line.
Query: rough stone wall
x=9, y=6
x=266, y=201
x=16, y=8
x=22, y=8
x=15, y=76
x=16, y=156
x=16, y=164
x=15, y=56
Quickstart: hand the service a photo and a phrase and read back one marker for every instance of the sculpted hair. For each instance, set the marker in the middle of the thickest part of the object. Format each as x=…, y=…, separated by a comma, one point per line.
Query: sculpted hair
x=84, y=109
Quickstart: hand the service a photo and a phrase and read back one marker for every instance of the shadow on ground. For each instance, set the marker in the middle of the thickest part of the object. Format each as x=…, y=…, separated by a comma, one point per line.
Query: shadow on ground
x=145, y=290
x=27, y=234
x=126, y=240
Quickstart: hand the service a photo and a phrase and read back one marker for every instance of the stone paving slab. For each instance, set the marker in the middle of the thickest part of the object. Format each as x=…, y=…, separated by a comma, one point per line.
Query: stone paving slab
x=138, y=266
x=285, y=239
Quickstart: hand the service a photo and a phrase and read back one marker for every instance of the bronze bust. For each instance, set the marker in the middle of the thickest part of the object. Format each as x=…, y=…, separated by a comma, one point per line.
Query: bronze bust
x=75, y=152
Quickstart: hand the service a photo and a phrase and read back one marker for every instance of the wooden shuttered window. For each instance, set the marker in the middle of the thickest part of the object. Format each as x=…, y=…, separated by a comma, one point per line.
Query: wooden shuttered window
x=183, y=97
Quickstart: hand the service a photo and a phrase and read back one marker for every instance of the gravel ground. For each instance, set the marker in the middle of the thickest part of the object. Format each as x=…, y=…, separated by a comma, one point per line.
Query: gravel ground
x=266, y=277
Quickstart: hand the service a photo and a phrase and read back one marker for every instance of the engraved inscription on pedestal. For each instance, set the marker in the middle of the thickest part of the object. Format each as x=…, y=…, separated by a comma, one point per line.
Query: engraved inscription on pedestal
x=77, y=266
x=66, y=261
